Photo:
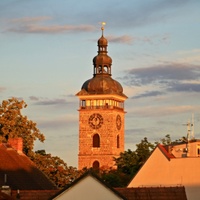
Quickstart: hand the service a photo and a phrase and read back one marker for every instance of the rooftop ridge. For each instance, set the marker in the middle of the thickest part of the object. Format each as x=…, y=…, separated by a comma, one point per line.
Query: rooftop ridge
x=165, y=152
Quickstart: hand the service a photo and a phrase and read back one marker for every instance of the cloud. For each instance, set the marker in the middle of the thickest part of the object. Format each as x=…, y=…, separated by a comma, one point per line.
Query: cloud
x=47, y=102
x=185, y=87
x=39, y=25
x=145, y=14
x=120, y=39
x=190, y=56
x=30, y=19
x=58, y=122
x=164, y=73
x=127, y=39
x=33, y=98
x=154, y=39
x=169, y=77
x=2, y=89
x=157, y=111
x=148, y=94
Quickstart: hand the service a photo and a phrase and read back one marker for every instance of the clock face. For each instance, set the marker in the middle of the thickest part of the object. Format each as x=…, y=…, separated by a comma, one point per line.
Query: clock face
x=118, y=122
x=95, y=120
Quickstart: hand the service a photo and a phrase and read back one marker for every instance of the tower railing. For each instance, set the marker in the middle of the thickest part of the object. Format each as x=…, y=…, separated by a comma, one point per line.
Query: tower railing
x=101, y=107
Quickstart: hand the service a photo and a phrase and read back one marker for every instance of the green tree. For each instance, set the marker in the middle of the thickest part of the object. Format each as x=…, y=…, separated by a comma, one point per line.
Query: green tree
x=55, y=168
x=14, y=124
x=165, y=141
x=143, y=151
x=129, y=162
x=114, y=177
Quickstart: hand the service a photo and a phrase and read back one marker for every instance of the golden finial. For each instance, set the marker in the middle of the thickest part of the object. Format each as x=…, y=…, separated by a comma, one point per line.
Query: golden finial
x=102, y=26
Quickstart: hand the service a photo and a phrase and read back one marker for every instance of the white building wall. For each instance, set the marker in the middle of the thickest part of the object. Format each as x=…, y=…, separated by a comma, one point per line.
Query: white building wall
x=88, y=189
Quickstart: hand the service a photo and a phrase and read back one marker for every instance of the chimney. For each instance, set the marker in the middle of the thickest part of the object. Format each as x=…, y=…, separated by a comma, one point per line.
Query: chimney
x=17, y=144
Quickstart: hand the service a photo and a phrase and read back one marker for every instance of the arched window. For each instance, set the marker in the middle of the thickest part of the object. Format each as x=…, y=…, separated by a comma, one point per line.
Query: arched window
x=105, y=69
x=96, y=140
x=118, y=141
x=99, y=69
x=95, y=165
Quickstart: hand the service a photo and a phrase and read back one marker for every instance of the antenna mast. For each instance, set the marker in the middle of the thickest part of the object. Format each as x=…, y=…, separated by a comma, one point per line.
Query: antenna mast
x=192, y=133
x=190, y=129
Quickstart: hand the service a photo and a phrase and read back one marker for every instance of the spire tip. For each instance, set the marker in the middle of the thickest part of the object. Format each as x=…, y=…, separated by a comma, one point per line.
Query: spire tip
x=102, y=26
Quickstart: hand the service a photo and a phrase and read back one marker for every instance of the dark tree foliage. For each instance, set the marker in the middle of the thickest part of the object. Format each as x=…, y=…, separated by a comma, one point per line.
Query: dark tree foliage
x=128, y=164
x=114, y=177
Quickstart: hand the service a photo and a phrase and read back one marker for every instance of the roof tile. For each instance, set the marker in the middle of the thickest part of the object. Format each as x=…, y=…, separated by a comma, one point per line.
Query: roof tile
x=153, y=193
x=21, y=173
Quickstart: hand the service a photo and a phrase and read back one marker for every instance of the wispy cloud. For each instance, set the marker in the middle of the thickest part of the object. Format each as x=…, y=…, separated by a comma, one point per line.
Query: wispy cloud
x=47, y=102
x=121, y=39
x=41, y=25
x=148, y=94
x=2, y=89
x=59, y=122
x=128, y=39
x=157, y=111
x=30, y=19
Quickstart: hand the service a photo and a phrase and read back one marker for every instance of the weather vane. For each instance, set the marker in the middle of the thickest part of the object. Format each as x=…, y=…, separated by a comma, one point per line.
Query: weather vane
x=102, y=26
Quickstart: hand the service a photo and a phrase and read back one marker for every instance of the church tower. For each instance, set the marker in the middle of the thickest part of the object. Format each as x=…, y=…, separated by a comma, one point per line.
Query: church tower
x=101, y=114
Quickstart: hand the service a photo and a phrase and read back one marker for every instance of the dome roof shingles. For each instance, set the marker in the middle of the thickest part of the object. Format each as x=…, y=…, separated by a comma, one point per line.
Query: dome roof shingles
x=102, y=84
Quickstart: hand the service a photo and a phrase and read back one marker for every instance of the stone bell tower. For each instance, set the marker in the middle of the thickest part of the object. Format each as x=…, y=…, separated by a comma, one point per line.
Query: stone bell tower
x=101, y=114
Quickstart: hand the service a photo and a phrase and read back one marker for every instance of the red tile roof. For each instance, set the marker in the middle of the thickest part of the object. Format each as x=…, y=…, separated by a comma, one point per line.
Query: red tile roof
x=34, y=194
x=167, y=154
x=21, y=173
x=153, y=193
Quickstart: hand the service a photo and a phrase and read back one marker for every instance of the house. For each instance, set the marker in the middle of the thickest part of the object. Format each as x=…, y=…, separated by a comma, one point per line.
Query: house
x=170, y=166
x=90, y=187
x=19, y=177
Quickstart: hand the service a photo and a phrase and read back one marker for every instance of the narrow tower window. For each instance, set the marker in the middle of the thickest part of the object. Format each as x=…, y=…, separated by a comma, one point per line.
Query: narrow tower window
x=118, y=141
x=96, y=140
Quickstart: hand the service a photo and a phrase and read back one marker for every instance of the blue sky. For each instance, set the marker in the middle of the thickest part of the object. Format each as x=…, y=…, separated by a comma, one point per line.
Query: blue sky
x=46, y=52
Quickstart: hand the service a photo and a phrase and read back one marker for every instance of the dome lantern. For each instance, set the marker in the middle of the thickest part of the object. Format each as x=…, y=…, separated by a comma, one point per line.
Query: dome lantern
x=102, y=62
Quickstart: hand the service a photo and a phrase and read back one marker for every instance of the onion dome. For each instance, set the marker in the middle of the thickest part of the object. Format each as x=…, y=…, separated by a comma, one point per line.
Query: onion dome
x=102, y=41
x=102, y=82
